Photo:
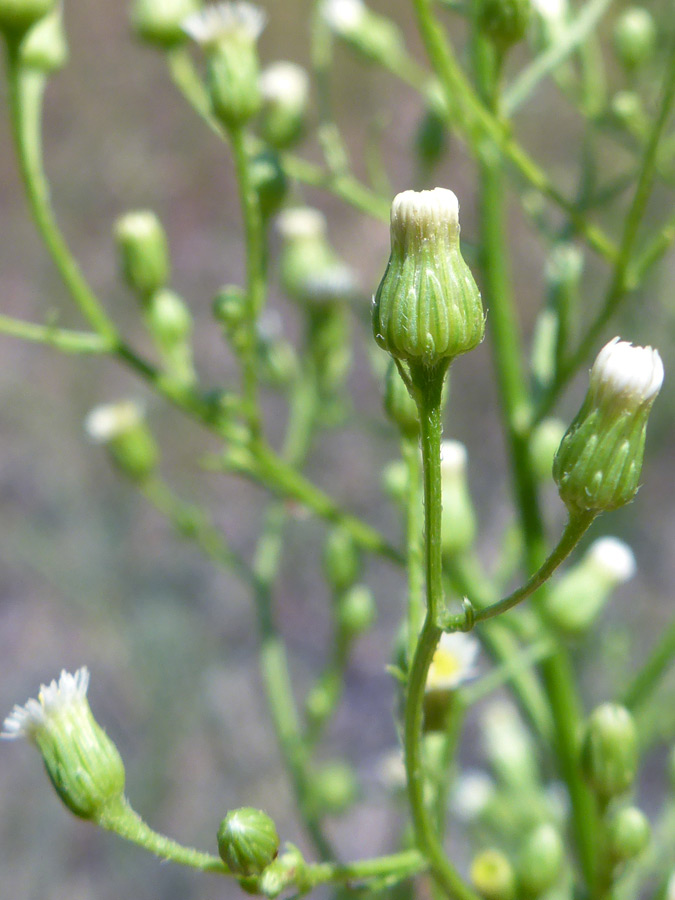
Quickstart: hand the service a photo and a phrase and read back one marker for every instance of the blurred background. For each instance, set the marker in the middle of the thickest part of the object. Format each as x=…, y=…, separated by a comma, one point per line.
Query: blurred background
x=89, y=574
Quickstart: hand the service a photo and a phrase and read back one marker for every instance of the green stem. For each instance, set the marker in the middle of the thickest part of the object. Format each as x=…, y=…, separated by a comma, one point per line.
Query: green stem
x=62, y=339
x=414, y=547
x=398, y=865
x=647, y=678
x=427, y=385
x=121, y=818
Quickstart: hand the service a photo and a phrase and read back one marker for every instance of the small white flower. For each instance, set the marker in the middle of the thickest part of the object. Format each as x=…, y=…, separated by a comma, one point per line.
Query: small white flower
x=622, y=371
x=454, y=662
x=27, y=720
x=416, y=214
x=472, y=794
x=108, y=421
x=343, y=16
x=613, y=558
x=301, y=222
x=285, y=82
x=453, y=458
x=220, y=20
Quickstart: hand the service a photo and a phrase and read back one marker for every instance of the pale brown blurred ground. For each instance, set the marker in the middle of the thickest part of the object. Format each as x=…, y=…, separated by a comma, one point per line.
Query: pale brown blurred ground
x=89, y=574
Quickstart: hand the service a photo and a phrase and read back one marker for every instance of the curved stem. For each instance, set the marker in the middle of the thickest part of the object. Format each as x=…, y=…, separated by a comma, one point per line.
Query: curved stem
x=62, y=339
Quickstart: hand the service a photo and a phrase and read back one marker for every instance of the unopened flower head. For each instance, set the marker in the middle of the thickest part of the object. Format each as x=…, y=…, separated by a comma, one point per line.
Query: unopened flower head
x=507, y=744
x=599, y=460
x=143, y=252
x=45, y=47
x=454, y=662
x=427, y=308
x=612, y=558
x=17, y=16
x=160, y=22
x=122, y=428
x=221, y=21
x=82, y=762
x=458, y=525
x=343, y=16
x=301, y=222
x=311, y=272
x=284, y=87
x=110, y=420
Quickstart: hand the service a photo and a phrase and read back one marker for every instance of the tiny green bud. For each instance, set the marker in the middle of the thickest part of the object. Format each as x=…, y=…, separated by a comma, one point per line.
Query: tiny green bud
x=270, y=182
x=505, y=22
x=284, y=87
x=143, y=252
x=609, y=752
x=395, y=481
x=122, y=429
x=228, y=32
x=160, y=22
x=169, y=318
x=458, y=519
x=376, y=38
x=628, y=833
x=427, y=308
x=575, y=601
x=356, y=611
x=45, y=48
x=398, y=404
x=82, y=762
x=341, y=560
x=229, y=307
x=17, y=16
x=598, y=464
x=545, y=441
x=635, y=37
x=247, y=841
x=540, y=862
x=287, y=870
x=493, y=876
x=629, y=111
x=508, y=746
x=334, y=788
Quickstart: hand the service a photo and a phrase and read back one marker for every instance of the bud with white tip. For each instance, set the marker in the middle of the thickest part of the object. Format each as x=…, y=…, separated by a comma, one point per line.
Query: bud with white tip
x=575, y=601
x=160, y=22
x=82, y=762
x=122, y=429
x=45, y=48
x=143, y=252
x=598, y=464
x=284, y=87
x=427, y=308
x=376, y=38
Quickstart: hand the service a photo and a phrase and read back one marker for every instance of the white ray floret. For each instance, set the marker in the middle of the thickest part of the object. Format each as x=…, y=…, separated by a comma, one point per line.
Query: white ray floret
x=454, y=662
x=220, y=20
x=631, y=373
x=27, y=720
x=343, y=16
x=285, y=82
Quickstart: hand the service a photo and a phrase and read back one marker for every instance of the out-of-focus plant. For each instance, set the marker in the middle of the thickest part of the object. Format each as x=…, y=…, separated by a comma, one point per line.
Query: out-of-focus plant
x=553, y=816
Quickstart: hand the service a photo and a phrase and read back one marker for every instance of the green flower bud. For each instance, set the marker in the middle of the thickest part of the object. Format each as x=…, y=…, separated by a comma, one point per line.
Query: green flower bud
x=17, y=16
x=575, y=601
x=398, y=404
x=544, y=445
x=395, y=481
x=609, y=753
x=635, y=37
x=341, y=560
x=458, y=519
x=508, y=746
x=228, y=32
x=247, y=841
x=82, y=762
x=540, y=862
x=229, y=307
x=427, y=308
x=493, y=876
x=122, y=429
x=628, y=833
x=284, y=87
x=356, y=611
x=376, y=38
x=44, y=48
x=629, y=111
x=160, y=22
x=334, y=788
x=599, y=461
x=168, y=318
x=270, y=182
x=505, y=22
x=287, y=870
x=143, y=252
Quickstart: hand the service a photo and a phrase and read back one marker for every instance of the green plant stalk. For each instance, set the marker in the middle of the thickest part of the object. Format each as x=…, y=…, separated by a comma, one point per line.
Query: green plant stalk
x=414, y=544
x=120, y=818
x=647, y=678
x=428, y=384
x=398, y=865
x=62, y=339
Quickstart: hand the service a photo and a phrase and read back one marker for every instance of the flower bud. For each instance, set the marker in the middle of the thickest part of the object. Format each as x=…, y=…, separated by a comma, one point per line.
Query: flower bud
x=505, y=22
x=160, y=22
x=398, y=404
x=284, y=87
x=376, y=38
x=458, y=519
x=599, y=460
x=609, y=752
x=247, y=841
x=44, y=48
x=228, y=32
x=628, y=833
x=169, y=318
x=395, y=481
x=341, y=560
x=629, y=112
x=269, y=181
x=635, y=37
x=543, y=447
x=143, y=252
x=356, y=611
x=427, y=308
x=540, y=862
x=229, y=307
x=82, y=762
x=122, y=429
x=575, y=601
x=287, y=870
x=334, y=788
x=508, y=746
x=493, y=876
x=17, y=16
